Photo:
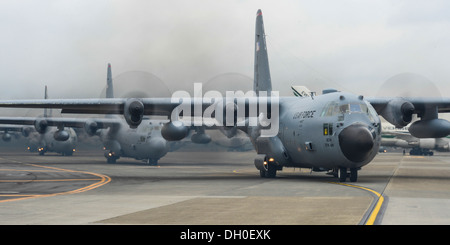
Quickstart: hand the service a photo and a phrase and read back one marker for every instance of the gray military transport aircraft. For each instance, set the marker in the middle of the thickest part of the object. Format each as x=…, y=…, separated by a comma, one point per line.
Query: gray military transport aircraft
x=336, y=131
x=143, y=142
x=42, y=138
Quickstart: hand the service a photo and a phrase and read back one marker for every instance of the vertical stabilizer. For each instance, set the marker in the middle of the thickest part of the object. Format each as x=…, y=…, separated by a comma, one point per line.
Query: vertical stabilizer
x=109, y=84
x=45, y=97
x=262, y=81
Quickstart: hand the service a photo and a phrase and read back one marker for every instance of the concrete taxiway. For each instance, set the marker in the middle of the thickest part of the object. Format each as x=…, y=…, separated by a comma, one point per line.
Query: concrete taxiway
x=196, y=188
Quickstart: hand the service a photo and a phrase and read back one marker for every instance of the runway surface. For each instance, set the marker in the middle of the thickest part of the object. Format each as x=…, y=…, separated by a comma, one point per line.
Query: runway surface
x=217, y=188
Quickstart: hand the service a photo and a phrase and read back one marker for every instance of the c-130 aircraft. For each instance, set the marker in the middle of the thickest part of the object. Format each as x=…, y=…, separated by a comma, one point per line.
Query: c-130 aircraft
x=336, y=131
x=144, y=142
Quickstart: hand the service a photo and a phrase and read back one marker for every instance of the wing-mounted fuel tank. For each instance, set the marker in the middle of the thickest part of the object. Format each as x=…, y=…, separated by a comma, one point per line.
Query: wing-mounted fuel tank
x=433, y=128
x=133, y=112
x=174, y=131
x=398, y=112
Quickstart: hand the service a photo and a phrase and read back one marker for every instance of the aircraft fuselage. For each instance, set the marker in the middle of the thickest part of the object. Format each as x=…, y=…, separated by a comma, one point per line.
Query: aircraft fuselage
x=143, y=142
x=323, y=132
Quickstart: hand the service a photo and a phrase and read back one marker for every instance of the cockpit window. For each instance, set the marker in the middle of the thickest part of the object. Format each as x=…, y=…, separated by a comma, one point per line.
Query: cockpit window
x=330, y=109
x=371, y=112
x=333, y=108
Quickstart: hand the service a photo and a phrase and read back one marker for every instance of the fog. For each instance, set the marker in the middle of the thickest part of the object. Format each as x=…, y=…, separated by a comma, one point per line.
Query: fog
x=349, y=45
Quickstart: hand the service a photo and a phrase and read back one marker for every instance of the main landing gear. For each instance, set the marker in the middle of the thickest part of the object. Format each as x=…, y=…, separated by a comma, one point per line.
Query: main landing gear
x=111, y=157
x=152, y=162
x=342, y=173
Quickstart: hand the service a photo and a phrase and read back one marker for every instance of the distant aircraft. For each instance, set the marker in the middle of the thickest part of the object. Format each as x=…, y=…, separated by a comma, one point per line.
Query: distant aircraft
x=335, y=131
x=10, y=131
x=393, y=137
x=143, y=142
x=42, y=138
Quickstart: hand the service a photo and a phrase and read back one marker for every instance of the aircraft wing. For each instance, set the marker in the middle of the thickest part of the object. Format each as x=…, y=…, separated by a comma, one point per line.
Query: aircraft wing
x=421, y=104
x=399, y=111
x=11, y=128
x=88, y=106
x=153, y=106
x=58, y=121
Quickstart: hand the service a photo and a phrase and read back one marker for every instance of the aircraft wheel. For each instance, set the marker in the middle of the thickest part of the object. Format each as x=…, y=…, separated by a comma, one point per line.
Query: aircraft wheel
x=269, y=172
x=111, y=160
x=353, y=174
x=342, y=174
x=262, y=173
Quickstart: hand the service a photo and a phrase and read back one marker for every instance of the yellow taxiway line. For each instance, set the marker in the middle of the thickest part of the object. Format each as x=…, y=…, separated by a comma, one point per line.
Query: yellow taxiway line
x=376, y=210
x=101, y=180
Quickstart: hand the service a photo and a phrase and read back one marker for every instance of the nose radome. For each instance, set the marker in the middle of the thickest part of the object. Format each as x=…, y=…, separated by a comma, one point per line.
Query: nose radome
x=356, y=142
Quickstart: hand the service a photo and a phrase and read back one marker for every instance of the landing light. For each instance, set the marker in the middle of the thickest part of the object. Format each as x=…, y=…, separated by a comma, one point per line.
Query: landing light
x=271, y=159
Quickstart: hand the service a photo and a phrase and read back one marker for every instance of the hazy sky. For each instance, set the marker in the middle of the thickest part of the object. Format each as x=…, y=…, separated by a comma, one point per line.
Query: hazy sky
x=354, y=45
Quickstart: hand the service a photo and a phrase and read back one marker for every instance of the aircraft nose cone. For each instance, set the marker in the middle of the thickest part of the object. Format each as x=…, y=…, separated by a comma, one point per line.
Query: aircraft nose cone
x=356, y=142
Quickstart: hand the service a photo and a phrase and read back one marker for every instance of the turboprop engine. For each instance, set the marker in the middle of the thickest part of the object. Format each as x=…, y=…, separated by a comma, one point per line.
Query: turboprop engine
x=26, y=131
x=133, y=112
x=200, y=136
x=91, y=127
x=40, y=125
x=174, y=131
x=230, y=118
x=398, y=112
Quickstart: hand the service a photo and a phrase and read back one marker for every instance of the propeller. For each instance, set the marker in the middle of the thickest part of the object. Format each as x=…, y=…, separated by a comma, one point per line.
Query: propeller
x=408, y=85
x=138, y=84
x=229, y=81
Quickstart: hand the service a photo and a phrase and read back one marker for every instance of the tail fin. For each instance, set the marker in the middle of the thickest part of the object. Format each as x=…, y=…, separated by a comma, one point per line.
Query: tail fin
x=109, y=84
x=46, y=114
x=262, y=81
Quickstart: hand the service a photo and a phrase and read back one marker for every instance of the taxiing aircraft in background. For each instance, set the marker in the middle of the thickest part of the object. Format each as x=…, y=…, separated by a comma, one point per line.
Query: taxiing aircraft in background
x=40, y=137
x=394, y=137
